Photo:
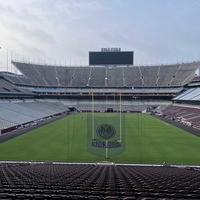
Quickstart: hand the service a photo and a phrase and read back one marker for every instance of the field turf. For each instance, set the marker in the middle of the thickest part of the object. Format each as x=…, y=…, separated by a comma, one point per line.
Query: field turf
x=147, y=140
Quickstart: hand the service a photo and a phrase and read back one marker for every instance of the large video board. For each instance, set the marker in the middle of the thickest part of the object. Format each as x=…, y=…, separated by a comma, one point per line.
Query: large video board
x=111, y=58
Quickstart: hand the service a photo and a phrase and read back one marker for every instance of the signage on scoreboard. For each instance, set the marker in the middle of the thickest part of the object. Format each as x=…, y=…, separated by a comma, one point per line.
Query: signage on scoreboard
x=115, y=49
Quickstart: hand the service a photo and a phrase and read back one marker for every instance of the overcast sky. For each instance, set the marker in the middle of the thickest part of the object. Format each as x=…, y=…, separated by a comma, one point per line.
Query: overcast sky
x=64, y=31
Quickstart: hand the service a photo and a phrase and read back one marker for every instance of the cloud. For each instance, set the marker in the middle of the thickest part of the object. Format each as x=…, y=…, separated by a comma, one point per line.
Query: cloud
x=86, y=6
x=68, y=29
x=43, y=36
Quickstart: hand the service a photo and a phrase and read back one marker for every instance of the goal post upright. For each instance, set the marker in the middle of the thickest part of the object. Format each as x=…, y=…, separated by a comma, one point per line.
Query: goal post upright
x=120, y=115
x=92, y=114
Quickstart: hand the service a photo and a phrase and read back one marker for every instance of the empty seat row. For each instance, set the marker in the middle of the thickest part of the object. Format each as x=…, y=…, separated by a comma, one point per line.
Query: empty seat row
x=91, y=181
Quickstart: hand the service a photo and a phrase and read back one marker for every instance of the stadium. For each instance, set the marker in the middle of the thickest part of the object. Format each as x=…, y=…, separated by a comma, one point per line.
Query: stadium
x=109, y=130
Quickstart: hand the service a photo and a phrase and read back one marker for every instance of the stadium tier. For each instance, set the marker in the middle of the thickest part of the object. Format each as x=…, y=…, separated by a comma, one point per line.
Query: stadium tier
x=9, y=89
x=186, y=114
x=104, y=76
x=192, y=94
x=19, y=113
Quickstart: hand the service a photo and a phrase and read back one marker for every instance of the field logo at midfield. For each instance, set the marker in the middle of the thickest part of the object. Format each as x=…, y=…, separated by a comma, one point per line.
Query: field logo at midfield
x=106, y=131
x=105, y=134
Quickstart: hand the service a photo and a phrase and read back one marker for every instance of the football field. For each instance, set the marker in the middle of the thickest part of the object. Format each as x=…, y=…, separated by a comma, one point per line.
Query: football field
x=147, y=140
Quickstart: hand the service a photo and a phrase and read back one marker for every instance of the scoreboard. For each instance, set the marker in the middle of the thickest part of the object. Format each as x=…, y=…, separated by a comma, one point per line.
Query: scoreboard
x=111, y=56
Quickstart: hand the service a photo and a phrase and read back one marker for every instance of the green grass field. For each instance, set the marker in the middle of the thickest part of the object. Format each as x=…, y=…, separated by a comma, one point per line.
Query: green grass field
x=147, y=140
